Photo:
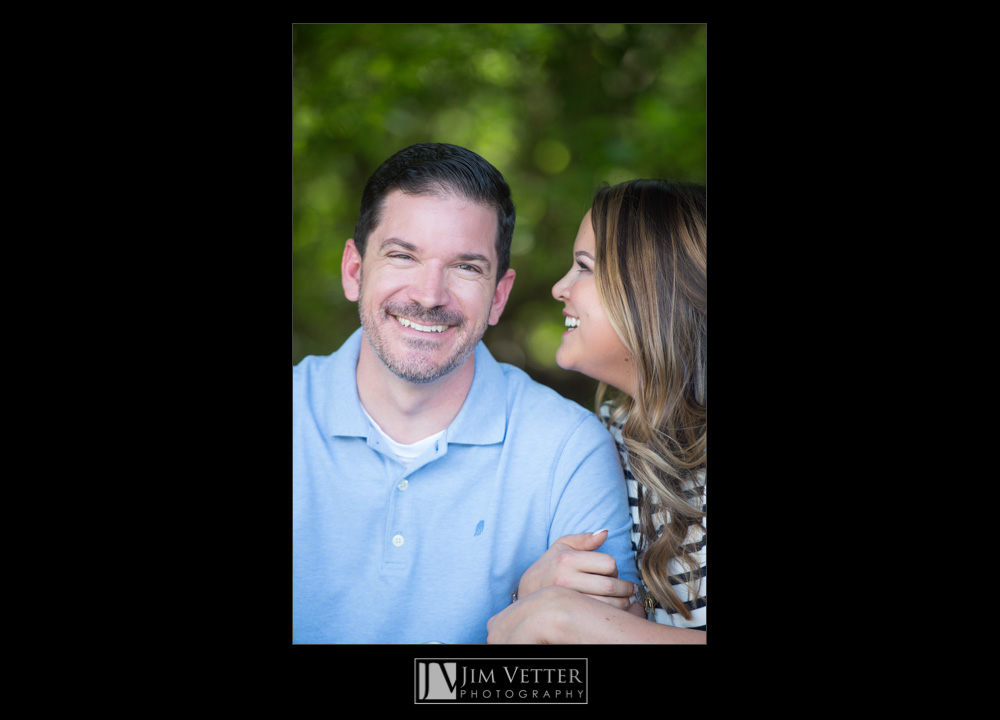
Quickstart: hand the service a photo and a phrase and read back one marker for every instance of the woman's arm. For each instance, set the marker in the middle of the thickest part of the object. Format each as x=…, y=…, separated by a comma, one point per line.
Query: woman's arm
x=556, y=615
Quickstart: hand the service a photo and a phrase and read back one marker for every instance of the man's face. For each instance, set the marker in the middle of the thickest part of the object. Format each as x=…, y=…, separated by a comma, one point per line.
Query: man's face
x=429, y=283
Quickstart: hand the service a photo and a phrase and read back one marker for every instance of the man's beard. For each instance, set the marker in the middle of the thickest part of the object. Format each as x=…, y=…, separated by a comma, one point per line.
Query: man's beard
x=416, y=366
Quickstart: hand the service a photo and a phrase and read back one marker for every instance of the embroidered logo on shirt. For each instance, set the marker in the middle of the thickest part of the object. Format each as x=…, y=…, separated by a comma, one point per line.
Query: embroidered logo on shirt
x=479, y=528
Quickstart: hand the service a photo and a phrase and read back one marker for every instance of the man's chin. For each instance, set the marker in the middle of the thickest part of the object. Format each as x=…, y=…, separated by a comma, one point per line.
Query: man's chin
x=417, y=360
x=429, y=344
x=420, y=373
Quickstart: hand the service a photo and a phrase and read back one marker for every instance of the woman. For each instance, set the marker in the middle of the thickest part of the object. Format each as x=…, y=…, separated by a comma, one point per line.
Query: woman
x=636, y=316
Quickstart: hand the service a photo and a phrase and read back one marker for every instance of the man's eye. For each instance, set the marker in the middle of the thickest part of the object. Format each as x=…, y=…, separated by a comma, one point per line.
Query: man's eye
x=471, y=268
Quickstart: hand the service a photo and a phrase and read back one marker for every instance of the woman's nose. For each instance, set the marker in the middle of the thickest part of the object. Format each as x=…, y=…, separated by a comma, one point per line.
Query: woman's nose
x=560, y=291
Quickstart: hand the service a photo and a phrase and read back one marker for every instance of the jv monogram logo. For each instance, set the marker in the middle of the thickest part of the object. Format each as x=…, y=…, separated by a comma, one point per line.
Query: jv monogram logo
x=436, y=680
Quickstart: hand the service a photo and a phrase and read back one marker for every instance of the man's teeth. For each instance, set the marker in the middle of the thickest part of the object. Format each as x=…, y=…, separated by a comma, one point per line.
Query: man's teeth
x=572, y=321
x=422, y=328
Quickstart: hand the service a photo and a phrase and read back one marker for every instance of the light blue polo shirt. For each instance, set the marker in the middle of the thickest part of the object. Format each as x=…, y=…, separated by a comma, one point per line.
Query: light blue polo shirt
x=382, y=553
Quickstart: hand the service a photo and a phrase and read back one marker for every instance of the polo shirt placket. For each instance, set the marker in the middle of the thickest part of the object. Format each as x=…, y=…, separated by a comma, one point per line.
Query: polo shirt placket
x=400, y=536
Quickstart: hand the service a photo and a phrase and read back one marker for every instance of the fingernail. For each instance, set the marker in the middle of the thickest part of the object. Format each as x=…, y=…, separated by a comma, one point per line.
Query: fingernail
x=599, y=532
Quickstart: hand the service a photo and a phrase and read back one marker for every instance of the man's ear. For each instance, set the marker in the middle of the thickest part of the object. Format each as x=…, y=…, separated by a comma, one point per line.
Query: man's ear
x=500, y=296
x=350, y=271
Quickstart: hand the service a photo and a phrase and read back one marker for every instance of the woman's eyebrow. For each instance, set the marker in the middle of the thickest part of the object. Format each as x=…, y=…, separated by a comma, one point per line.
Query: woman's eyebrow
x=578, y=253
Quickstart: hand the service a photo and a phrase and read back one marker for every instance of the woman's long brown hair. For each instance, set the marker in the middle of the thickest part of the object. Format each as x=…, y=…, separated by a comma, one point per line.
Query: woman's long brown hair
x=651, y=278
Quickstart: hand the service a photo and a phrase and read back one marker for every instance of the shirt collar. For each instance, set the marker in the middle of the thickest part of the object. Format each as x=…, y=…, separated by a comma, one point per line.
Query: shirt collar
x=481, y=421
x=483, y=417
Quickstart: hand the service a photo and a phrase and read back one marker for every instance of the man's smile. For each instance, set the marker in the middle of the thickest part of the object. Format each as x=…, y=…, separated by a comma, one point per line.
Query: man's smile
x=422, y=328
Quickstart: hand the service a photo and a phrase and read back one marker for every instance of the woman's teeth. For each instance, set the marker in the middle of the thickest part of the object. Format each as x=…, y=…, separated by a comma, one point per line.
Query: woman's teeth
x=422, y=328
x=572, y=322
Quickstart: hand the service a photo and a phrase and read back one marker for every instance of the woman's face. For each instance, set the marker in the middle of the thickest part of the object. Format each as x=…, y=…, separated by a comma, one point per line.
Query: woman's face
x=590, y=344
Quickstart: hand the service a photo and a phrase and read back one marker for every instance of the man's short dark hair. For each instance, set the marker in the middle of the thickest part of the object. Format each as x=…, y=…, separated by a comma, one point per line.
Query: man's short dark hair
x=435, y=168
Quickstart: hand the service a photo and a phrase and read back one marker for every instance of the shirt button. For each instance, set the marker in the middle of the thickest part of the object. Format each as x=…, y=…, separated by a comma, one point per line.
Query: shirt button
x=403, y=484
x=397, y=540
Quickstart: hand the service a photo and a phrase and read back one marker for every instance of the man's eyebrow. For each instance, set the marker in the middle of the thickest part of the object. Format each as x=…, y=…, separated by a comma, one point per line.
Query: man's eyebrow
x=396, y=241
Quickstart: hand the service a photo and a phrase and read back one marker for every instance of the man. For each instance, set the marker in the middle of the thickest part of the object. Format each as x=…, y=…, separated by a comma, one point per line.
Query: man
x=427, y=477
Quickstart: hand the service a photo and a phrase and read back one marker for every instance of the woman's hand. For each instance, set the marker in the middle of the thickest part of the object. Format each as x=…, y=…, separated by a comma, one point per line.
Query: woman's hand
x=539, y=618
x=555, y=615
x=572, y=563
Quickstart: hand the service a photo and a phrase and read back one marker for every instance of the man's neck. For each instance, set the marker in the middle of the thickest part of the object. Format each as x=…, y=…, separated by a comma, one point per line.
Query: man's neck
x=408, y=411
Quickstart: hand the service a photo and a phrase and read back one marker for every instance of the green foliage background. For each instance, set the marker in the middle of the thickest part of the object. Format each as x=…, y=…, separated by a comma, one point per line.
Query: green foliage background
x=558, y=109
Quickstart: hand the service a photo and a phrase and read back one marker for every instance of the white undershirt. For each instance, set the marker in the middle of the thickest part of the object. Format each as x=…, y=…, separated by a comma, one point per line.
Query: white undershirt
x=406, y=454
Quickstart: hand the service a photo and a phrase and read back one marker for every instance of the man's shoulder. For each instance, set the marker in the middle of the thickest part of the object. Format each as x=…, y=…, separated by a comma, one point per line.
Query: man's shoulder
x=310, y=370
x=312, y=363
x=313, y=367
x=528, y=397
x=560, y=431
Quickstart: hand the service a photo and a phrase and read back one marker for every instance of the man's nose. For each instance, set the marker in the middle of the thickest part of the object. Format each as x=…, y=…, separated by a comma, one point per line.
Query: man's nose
x=430, y=287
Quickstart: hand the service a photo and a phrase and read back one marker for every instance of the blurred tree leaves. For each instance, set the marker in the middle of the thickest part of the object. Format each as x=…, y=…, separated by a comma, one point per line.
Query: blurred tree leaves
x=558, y=109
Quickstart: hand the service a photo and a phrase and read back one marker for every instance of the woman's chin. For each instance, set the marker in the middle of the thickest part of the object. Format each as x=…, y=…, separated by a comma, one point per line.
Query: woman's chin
x=560, y=361
x=565, y=363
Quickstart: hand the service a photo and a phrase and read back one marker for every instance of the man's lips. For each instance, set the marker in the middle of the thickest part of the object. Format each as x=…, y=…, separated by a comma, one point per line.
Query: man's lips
x=405, y=322
x=429, y=321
